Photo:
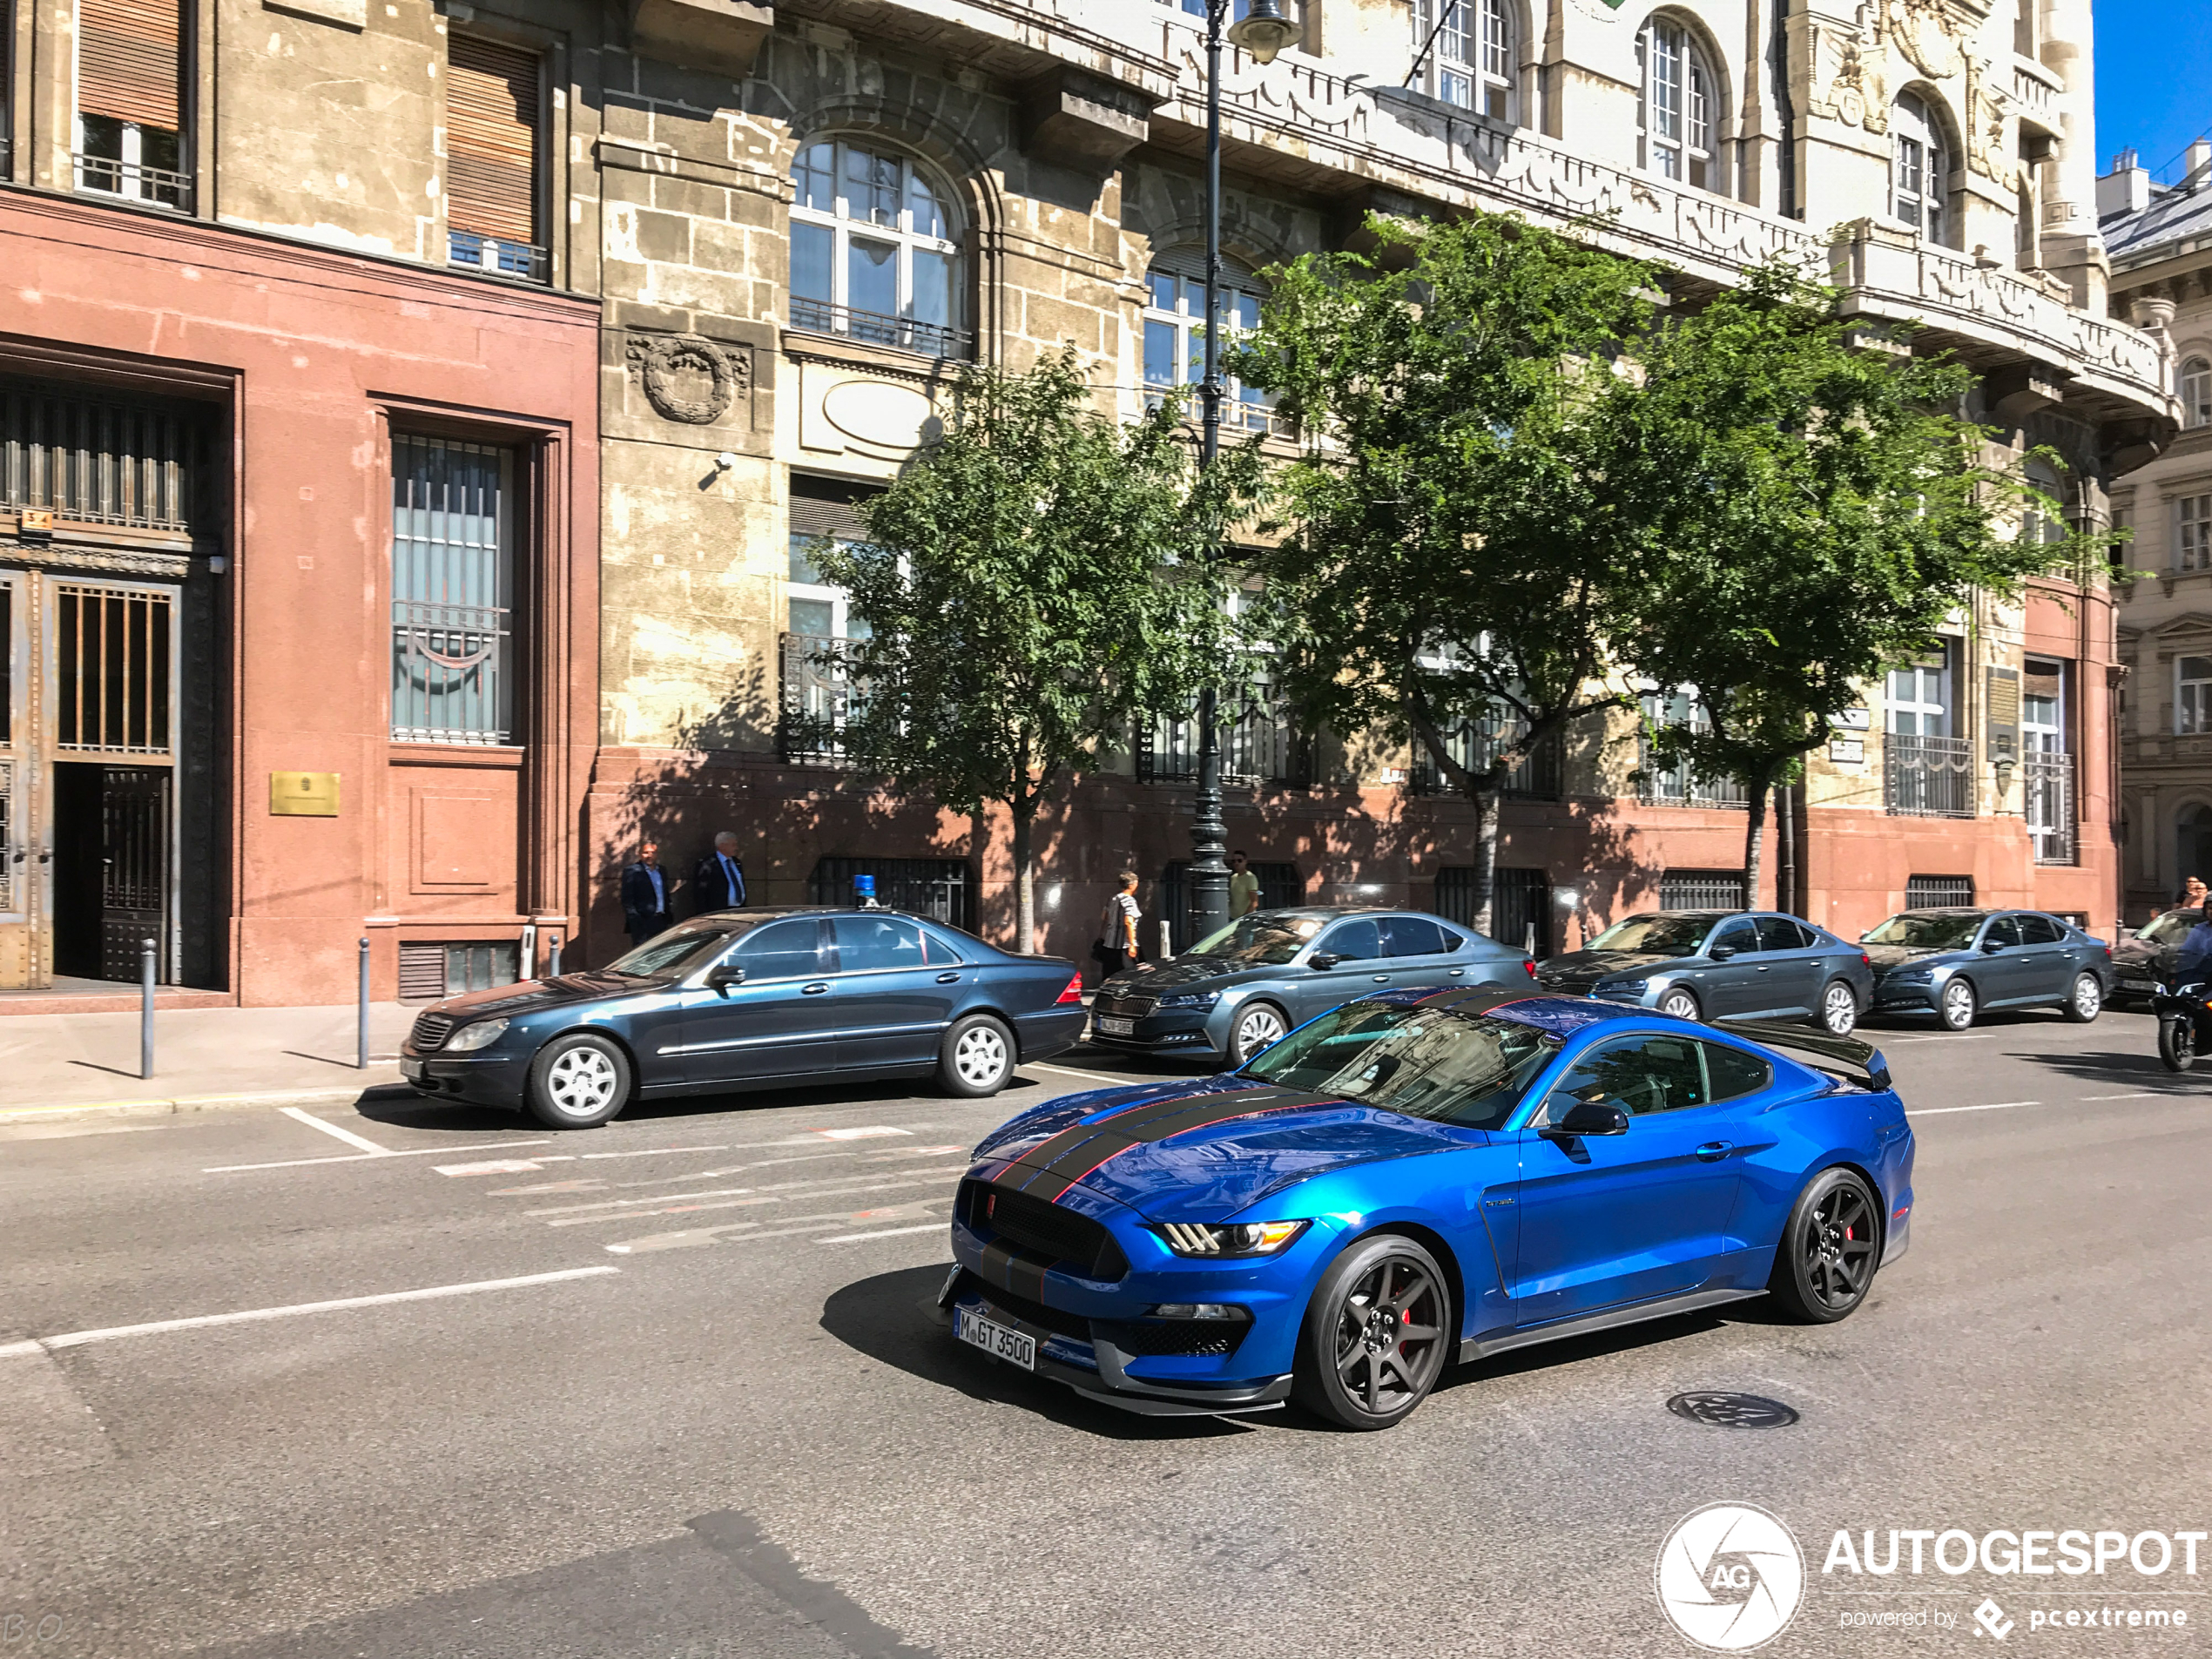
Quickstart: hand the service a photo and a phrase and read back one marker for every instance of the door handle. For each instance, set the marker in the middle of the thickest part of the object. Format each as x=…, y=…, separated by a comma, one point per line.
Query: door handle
x=1457, y=971
x=948, y=979
x=1382, y=979
x=1713, y=1151
x=813, y=990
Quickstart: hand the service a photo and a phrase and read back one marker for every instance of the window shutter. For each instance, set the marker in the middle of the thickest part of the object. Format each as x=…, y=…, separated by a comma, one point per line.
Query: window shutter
x=491, y=140
x=128, y=61
x=829, y=506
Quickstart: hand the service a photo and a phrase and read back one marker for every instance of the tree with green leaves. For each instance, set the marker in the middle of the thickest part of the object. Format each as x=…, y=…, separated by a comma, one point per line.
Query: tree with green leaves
x=1452, y=556
x=1822, y=508
x=1034, y=577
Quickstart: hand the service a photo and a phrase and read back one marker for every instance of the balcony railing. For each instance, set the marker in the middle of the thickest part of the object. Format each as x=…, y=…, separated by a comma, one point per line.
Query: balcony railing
x=1260, y=746
x=2049, y=780
x=470, y=252
x=1537, y=777
x=819, y=695
x=931, y=340
x=1928, y=777
x=156, y=186
x=1672, y=783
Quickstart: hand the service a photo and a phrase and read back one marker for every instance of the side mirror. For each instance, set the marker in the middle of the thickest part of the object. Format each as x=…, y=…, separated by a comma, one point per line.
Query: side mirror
x=1321, y=961
x=1586, y=1117
x=1720, y=953
x=1989, y=946
x=723, y=975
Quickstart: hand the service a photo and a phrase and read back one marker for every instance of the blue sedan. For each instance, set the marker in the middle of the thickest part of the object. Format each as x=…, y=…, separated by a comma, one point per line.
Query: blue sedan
x=748, y=999
x=1418, y=1177
x=1953, y=963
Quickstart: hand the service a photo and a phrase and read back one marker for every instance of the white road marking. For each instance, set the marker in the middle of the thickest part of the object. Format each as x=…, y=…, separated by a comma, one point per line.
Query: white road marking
x=872, y=1133
x=2148, y=1094
x=1993, y=1106
x=657, y=1152
x=1100, y=1076
x=776, y=1193
x=78, y=1338
x=364, y=1157
x=888, y=1232
x=348, y=1136
x=492, y=1166
x=819, y=1190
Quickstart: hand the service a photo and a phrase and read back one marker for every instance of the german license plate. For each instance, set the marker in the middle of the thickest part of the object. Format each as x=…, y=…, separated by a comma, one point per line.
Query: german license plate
x=414, y=1070
x=2137, y=985
x=995, y=1339
x=1115, y=1025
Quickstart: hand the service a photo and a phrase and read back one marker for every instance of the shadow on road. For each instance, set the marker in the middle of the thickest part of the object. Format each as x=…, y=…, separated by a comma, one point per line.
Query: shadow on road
x=893, y=1318
x=2123, y=1069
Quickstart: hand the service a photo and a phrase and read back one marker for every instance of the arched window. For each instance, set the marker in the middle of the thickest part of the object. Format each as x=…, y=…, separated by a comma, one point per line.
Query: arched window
x=2036, y=525
x=872, y=254
x=2196, y=392
x=1678, y=110
x=2192, y=697
x=1470, y=60
x=1174, y=340
x=1920, y=171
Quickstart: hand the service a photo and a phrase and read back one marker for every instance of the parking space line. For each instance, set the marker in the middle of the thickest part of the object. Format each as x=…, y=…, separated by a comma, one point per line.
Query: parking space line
x=1993, y=1106
x=888, y=1232
x=299, y=1116
x=366, y=1158
x=1069, y=1071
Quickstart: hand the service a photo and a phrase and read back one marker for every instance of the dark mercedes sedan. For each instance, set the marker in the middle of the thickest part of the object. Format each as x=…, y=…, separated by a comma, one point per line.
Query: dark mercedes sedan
x=746, y=999
x=1953, y=963
x=1714, y=964
x=2144, y=963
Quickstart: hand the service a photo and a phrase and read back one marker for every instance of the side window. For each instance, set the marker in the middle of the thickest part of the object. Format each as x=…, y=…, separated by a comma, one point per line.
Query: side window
x=1452, y=941
x=1640, y=1076
x=1779, y=932
x=1736, y=935
x=2041, y=930
x=944, y=948
x=1355, y=941
x=1412, y=936
x=781, y=950
x=1733, y=1073
x=869, y=944
x=2004, y=930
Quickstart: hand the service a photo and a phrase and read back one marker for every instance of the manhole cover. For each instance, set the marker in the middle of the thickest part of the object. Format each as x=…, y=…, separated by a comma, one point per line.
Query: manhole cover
x=1719, y=1410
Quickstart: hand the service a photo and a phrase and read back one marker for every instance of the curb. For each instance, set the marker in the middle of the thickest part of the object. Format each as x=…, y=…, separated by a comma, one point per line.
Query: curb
x=175, y=1104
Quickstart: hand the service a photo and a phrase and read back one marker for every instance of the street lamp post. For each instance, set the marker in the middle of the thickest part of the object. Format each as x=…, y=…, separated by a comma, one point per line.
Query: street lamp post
x=1263, y=32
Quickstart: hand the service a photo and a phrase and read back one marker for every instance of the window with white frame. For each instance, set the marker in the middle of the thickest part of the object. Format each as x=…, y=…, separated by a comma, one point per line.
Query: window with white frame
x=2196, y=392
x=1919, y=697
x=875, y=254
x=2037, y=525
x=2192, y=696
x=1920, y=171
x=2193, y=533
x=1469, y=57
x=1678, y=108
x=1175, y=337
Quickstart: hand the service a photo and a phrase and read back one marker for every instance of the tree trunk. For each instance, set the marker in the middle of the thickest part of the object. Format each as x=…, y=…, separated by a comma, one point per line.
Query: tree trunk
x=1785, y=849
x=1025, y=887
x=1754, y=843
x=1486, y=859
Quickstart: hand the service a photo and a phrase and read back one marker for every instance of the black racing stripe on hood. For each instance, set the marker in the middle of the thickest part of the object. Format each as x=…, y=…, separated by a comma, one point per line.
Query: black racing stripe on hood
x=1050, y=1176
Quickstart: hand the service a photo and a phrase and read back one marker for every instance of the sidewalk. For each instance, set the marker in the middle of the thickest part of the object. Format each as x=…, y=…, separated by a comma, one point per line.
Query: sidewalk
x=59, y=1065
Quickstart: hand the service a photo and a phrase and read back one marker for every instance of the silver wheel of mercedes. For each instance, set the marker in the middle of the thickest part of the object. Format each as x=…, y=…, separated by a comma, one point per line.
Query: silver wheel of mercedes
x=977, y=1057
x=578, y=1081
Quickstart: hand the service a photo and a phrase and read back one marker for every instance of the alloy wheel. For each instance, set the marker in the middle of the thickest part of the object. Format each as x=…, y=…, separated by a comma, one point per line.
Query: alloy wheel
x=1839, y=1009
x=1389, y=1340
x=1958, y=1005
x=979, y=1056
x=581, y=1081
x=1256, y=1029
x=2088, y=997
x=1681, y=1004
x=1838, y=1246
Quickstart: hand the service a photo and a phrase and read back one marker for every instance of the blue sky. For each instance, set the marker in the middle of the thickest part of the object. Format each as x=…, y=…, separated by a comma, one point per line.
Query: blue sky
x=2154, y=78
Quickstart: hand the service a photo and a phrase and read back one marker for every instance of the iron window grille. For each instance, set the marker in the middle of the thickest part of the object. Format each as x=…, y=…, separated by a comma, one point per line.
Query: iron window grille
x=133, y=181
x=1474, y=745
x=941, y=889
x=879, y=328
x=1925, y=777
x=114, y=653
x=1675, y=783
x=819, y=697
x=452, y=575
x=1702, y=890
x=2049, y=780
x=1938, y=892
x=1260, y=746
x=1521, y=905
x=1281, y=886
x=98, y=462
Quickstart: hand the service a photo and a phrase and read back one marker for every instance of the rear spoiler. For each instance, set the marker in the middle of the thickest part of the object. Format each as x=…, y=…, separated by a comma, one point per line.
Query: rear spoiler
x=1845, y=1057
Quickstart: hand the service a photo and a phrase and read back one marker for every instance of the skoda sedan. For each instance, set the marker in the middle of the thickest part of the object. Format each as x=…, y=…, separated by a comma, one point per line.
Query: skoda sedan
x=1721, y=964
x=747, y=999
x=1953, y=963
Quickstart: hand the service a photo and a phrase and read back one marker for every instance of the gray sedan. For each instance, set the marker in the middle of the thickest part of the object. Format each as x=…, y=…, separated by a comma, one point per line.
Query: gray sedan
x=1711, y=964
x=1231, y=995
x=1955, y=962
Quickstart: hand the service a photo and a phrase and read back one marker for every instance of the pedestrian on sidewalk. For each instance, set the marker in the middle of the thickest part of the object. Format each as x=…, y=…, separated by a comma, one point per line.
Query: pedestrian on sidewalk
x=1243, y=886
x=719, y=883
x=646, y=894
x=1117, y=928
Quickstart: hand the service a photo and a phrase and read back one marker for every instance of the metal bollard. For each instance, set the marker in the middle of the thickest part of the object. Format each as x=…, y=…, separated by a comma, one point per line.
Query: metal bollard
x=553, y=959
x=1167, y=947
x=146, y=1008
x=361, y=1029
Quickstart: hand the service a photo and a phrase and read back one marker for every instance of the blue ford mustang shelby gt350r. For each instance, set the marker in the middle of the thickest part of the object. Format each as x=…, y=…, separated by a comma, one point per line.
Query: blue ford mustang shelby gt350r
x=1419, y=1177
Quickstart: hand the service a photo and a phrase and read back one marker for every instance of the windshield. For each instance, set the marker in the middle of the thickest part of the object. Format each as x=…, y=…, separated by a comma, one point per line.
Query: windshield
x=1468, y=1070
x=1266, y=938
x=679, y=950
x=2172, y=927
x=1671, y=935
x=1927, y=932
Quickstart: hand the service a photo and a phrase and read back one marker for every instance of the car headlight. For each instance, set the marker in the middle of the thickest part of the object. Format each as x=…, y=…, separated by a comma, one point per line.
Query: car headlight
x=1910, y=972
x=1190, y=1000
x=482, y=1035
x=1229, y=1238
x=1637, y=987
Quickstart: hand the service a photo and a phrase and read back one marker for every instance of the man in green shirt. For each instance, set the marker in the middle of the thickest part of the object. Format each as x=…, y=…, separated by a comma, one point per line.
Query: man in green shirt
x=1243, y=886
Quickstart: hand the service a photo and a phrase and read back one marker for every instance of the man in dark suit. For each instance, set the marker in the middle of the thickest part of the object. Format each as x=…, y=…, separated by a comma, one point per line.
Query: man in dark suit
x=646, y=896
x=719, y=883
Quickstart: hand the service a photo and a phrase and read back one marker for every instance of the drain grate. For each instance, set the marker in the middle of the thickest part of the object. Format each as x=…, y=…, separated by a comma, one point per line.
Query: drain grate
x=1717, y=1409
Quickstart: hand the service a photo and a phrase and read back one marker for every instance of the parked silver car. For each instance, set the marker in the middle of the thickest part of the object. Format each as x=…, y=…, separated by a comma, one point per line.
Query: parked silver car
x=1714, y=964
x=1231, y=995
x=1955, y=962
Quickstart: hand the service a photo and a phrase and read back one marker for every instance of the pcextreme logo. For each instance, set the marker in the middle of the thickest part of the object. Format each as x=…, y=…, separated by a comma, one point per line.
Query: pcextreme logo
x=1730, y=1576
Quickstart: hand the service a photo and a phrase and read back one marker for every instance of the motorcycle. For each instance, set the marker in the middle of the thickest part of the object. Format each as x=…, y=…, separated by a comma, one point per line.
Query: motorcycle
x=2184, y=1024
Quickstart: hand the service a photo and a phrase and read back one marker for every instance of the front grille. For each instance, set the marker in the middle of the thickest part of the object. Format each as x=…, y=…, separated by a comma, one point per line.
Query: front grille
x=1036, y=1313
x=1130, y=1004
x=1184, y=1338
x=430, y=1032
x=1074, y=1241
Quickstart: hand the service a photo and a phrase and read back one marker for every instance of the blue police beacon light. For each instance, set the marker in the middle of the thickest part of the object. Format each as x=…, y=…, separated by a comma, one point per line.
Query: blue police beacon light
x=864, y=891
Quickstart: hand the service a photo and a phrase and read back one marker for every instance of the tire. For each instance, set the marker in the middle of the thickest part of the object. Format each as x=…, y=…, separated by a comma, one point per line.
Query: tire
x=1257, y=1026
x=1838, y=1008
x=2176, y=1042
x=1958, y=1005
x=1681, y=1004
x=1384, y=1296
x=1825, y=1263
x=578, y=1082
x=977, y=1058
x=2085, y=1001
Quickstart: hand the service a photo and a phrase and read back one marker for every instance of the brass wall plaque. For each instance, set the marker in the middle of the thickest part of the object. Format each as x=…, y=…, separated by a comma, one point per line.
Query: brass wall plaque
x=2004, y=710
x=303, y=794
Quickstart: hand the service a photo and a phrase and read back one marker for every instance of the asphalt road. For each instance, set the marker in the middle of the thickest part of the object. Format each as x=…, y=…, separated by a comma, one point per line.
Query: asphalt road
x=732, y=1429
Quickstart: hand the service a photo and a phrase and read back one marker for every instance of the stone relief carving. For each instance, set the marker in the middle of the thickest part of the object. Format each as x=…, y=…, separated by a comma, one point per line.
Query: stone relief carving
x=688, y=377
x=1929, y=35
x=1987, y=152
x=1848, y=83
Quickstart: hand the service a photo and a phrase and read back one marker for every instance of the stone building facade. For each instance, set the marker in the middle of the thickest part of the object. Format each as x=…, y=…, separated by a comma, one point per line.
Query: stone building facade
x=784, y=224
